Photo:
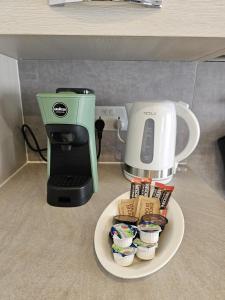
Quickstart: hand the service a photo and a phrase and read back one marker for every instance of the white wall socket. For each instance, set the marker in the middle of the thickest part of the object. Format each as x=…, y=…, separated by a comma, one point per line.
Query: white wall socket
x=110, y=115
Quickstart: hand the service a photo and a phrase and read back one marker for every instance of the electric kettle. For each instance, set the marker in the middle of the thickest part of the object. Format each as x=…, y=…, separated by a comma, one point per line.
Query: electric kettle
x=151, y=139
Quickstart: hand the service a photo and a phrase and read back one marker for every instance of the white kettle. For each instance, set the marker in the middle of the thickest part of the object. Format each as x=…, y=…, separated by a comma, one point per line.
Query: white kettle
x=151, y=139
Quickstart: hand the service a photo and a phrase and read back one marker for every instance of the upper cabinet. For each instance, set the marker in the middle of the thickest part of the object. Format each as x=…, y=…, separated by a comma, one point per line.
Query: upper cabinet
x=180, y=30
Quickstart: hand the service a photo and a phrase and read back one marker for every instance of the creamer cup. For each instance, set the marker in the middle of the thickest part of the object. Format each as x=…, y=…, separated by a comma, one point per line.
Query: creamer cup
x=123, y=261
x=123, y=234
x=122, y=242
x=123, y=256
x=145, y=251
x=149, y=233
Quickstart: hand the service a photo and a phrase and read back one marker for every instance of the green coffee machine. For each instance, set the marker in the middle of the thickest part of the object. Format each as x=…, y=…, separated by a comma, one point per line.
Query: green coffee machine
x=69, y=117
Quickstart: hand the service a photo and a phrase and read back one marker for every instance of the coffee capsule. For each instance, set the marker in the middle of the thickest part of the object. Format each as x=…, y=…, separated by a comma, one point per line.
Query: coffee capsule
x=156, y=219
x=130, y=220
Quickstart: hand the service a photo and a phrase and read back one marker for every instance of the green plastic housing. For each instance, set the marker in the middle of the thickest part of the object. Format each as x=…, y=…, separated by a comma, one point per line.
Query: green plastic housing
x=81, y=111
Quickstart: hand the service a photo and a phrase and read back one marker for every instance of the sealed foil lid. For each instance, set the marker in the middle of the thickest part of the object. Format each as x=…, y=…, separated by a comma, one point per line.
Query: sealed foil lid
x=139, y=243
x=124, y=251
x=123, y=230
x=149, y=227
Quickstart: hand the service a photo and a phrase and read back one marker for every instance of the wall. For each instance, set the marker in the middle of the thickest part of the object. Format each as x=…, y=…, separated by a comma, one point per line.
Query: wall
x=12, y=149
x=115, y=83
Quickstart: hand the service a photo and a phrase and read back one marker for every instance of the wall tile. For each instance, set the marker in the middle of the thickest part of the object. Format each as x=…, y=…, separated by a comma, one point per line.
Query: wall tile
x=209, y=106
x=116, y=83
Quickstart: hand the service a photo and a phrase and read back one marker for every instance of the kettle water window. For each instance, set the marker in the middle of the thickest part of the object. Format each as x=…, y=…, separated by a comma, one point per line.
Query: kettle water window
x=147, y=147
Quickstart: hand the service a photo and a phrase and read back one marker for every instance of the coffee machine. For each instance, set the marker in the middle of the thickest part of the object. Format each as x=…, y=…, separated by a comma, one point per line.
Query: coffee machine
x=69, y=116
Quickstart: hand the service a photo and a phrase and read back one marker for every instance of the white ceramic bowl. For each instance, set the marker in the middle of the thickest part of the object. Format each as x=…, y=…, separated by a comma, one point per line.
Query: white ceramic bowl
x=169, y=242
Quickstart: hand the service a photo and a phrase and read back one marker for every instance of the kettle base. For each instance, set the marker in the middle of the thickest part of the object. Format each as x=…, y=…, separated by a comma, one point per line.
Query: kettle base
x=156, y=175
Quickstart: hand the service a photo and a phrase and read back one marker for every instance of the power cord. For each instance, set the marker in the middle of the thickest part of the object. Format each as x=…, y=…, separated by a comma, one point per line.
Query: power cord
x=99, y=126
x=26, y=128
x=119, y=127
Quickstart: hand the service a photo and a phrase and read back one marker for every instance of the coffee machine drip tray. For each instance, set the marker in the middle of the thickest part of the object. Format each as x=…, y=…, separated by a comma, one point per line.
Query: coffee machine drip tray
x=68, y=180
x=69, y=190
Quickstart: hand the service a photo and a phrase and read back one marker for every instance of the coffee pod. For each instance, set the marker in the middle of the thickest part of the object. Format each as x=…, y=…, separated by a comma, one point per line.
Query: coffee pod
x=149, y=233
x=145, y=251
x=154, y=219
x=123, y=234
x=123, y=256
x=125, y=219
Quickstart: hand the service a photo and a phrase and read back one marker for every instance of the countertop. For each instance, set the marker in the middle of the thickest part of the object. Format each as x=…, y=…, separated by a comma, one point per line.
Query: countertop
x=202, y=18
x=111, y=30
x=47, y=252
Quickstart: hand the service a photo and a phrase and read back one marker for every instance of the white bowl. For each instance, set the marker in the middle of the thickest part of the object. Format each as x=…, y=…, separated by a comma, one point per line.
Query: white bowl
x=169, y=242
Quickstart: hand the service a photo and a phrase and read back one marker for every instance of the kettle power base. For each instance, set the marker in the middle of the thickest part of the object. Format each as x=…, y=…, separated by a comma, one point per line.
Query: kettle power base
x=69, y=190
x=150, y=174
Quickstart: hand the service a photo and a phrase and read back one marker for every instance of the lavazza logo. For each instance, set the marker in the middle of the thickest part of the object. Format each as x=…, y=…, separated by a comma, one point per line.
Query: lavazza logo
x=60, y=109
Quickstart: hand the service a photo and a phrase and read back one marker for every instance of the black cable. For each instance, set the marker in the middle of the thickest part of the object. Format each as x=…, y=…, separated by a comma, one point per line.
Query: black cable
x=99, y=148
x=37, y=149
x=99, y=126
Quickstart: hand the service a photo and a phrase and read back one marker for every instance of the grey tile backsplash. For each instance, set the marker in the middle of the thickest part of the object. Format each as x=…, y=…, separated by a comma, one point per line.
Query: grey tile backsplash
x=115, y=83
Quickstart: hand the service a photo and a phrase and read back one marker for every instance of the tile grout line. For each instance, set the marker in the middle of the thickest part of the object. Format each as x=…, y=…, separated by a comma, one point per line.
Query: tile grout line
x=11, y=176
x=21, y=104
x=194, y=87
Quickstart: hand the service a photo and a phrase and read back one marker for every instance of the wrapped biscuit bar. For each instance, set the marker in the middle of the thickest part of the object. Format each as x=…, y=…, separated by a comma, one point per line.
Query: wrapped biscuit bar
x=128, y=207
x=147, y=206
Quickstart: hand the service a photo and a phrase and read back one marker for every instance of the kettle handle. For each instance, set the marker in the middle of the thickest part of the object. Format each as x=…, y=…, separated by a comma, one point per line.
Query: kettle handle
x=188, y=116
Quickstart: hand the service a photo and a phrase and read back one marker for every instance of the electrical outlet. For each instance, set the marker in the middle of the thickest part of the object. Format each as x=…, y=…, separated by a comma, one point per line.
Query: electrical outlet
x=110, y=115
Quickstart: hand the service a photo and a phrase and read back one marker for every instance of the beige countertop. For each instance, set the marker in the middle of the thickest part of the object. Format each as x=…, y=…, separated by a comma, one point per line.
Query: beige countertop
x=108, y=30
x=47, y=252
x=202, y=18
